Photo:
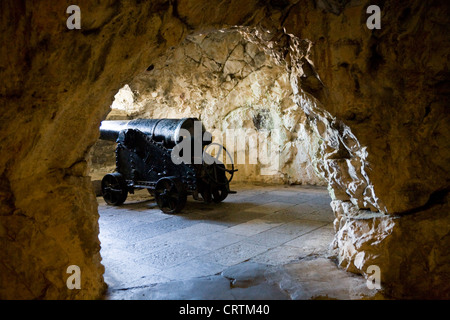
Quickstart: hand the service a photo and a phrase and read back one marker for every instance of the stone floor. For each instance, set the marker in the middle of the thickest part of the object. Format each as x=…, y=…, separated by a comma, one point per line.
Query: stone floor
x=265, y=242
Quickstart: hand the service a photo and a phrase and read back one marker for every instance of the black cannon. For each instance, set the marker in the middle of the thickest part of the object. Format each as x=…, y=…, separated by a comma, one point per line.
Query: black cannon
x=168, y=158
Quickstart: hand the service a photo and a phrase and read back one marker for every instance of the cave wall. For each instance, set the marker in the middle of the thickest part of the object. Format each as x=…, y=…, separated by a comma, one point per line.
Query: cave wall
x=377, y=99
x=390, y=86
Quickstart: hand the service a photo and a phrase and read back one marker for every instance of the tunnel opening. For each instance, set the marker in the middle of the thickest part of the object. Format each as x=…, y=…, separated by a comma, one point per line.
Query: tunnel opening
x=244, y=91
x=233, y=87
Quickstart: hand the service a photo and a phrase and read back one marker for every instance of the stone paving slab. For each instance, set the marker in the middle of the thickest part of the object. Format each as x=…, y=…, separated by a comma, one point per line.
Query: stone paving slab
x=123, y=276
x=315, y=242
x=270, y=207
x=278, y=255
x=216, y=240
x=171, y=256
x=236, y=253
x=200, y=266
x=299, y=227
x=271, y=238
x=252, y=227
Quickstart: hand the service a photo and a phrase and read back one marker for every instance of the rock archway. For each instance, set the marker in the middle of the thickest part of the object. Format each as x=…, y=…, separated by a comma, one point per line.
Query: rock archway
x=375, y=99
x=243, y=97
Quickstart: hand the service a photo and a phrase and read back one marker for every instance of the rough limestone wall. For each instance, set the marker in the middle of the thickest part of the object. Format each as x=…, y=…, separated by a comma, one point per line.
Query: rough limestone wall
x=386, y=126
x=380, y=108
x=56, y=86
x=235, y=89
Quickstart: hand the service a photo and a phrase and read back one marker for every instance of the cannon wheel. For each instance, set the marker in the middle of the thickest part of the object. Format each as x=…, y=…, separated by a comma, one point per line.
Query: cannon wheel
x=114, y=189
x=219, y=193
x=170, y=195
x=218, y=171
x=206, y=194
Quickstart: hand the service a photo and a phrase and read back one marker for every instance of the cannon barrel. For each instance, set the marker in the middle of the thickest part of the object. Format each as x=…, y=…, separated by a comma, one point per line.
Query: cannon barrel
x=167, y=131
